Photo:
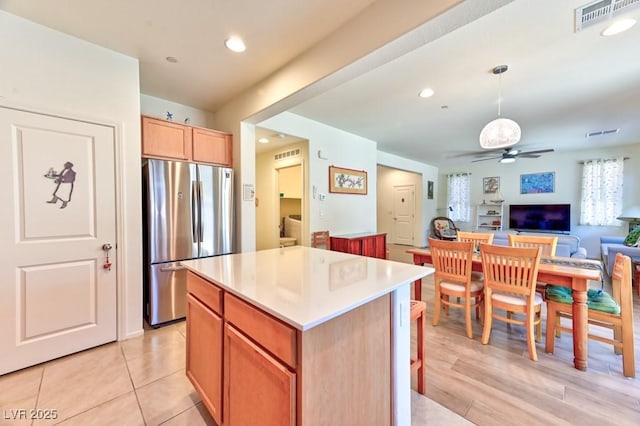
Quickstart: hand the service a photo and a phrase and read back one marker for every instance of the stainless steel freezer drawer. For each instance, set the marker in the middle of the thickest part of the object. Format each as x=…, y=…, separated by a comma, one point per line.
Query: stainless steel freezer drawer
x=167, y=292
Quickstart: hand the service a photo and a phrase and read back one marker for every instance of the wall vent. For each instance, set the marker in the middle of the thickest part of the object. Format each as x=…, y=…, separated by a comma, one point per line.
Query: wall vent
x=287, y=154
x=602, y=10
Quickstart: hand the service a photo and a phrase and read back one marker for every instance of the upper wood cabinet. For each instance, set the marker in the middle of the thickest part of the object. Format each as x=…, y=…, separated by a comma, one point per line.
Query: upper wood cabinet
x=169, y=140
x=165, y=139
x=210, y=146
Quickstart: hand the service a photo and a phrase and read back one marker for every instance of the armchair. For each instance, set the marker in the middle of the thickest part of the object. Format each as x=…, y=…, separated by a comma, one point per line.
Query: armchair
x=444, y=228
x=611, y=245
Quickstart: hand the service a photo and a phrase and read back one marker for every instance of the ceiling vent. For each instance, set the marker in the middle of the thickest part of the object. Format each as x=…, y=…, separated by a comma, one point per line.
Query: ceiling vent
x=601, y=133
x=602, y=10
x=287, y=154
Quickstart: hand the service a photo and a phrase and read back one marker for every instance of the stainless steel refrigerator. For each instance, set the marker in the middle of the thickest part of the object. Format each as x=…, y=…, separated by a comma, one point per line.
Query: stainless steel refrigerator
x=188, y=214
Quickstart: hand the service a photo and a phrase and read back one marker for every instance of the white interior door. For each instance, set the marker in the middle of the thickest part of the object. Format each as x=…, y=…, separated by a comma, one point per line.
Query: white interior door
x=403, y=213
x=58, y=209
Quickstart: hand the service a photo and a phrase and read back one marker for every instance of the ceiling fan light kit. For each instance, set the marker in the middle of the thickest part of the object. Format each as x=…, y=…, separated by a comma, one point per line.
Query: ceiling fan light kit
x=501, y=132
x=507, y=160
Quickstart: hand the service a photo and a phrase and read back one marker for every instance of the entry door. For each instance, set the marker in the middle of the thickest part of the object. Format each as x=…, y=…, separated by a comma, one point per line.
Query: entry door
x=403, y=214
x=57, y=211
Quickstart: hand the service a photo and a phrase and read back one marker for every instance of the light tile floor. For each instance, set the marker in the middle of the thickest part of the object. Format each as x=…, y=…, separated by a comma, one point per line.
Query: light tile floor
x=140, y=381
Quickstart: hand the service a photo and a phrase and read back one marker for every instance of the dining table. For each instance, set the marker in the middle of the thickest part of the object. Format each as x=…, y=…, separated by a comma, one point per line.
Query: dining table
x=564, y=271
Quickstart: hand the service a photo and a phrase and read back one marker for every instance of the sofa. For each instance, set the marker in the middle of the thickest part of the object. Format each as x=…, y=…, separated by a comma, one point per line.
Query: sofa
x=609, y=246
x=568, y=245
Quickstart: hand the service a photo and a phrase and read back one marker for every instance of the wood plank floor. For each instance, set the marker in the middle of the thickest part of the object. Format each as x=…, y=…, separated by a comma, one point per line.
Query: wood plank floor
x=498, y=383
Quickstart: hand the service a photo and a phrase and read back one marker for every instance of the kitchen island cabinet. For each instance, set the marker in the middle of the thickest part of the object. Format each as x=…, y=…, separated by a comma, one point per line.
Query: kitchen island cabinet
x=204, y=342
x=309, y=337
x=371, y=244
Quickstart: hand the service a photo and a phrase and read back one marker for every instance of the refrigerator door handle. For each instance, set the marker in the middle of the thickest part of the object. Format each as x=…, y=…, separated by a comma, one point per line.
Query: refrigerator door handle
x=194, y=215
x=172, y=268
x=200, y=207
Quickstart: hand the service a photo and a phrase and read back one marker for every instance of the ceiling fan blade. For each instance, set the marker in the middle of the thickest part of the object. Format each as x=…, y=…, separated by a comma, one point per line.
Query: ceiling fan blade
x=470, y=154
x=539, y=151
x=487, y=158
x=527, y=155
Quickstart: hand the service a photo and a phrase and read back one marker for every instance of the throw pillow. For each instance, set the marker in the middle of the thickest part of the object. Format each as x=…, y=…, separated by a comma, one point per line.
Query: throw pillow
x=632, y=238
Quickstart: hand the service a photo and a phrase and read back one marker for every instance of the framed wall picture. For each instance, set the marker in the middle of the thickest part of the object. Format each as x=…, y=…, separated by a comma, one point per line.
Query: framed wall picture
x=347, y=181
x=537, y=183
x=430, y=190
x=491, y=185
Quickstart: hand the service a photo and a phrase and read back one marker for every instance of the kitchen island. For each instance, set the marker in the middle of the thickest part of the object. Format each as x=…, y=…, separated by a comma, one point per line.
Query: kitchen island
x=300, y=336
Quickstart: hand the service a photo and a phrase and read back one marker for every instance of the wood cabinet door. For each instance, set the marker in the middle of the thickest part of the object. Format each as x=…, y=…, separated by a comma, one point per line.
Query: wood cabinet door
x=212, y=147
x=259, y=390
x=165, y=139
x=204, y=355
x=375, y=246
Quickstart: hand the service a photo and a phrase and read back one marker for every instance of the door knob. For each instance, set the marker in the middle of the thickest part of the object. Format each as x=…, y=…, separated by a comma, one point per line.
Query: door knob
x=107, y=247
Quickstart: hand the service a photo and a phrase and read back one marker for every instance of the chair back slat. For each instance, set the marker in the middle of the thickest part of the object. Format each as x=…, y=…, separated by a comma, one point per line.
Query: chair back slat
x=621, y=289
x=510, y=269
x=548, y=244
x=478, y=237
x=452, y=260
x=320, y=239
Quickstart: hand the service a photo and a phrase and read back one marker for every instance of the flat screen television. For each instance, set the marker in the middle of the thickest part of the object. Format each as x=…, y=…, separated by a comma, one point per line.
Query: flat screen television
x=540, y=217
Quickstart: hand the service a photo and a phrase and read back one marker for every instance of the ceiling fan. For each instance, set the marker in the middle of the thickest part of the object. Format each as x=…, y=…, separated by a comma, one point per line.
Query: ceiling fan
x=509, y=155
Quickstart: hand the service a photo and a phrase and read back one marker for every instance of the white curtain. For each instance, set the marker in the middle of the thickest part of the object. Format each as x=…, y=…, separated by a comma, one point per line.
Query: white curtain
x=601, y=192
x=458, y=196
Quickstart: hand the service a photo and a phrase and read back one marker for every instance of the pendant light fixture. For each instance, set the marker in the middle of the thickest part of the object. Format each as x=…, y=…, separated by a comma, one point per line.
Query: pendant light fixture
x=501, y=132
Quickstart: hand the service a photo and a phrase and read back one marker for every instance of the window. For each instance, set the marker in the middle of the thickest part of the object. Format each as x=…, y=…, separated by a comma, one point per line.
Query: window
x=458, y=195
x=601, y=192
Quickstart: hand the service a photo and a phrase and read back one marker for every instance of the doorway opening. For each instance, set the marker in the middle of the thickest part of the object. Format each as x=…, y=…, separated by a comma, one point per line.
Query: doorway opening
x=281, y=203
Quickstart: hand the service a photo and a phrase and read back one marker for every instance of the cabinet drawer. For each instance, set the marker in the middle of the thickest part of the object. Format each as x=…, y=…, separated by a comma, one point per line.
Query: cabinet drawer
x=206, y=292
x=270, y=333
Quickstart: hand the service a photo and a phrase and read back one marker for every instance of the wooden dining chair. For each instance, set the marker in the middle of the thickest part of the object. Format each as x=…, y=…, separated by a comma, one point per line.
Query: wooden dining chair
x=614, y=312
x=452, y=261
x=548, y=246
x=417, y=313
x=320, y=239
x=477, y=238
x=510, y=274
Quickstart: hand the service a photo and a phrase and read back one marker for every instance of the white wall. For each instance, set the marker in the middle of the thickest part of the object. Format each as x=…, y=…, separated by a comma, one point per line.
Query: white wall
x=568, y=175
x=158, y=107
x=389, y=178
x=425, y=208
x=47, y=71
x=339, y=213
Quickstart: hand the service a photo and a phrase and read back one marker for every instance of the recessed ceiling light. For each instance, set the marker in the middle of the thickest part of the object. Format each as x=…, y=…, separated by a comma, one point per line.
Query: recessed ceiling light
x=235, y=44
x=426, y=92
x=618, y=27
x=263, y=140
x=171, y=59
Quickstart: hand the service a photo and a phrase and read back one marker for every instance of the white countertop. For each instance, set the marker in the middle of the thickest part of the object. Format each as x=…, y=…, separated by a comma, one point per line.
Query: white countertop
x=359, y=235
x=304, y=286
